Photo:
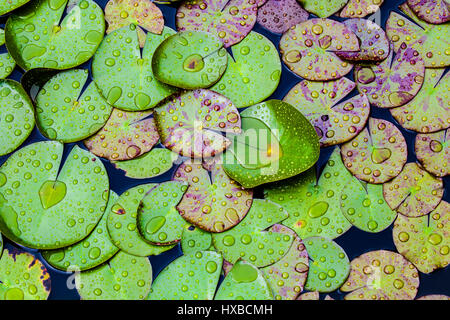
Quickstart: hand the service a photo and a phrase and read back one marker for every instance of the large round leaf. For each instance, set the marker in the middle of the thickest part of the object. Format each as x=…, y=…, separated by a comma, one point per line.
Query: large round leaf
x=7, y=63
x=10, y=5
x=432, y=150
x=322, y=8
x=432, y=11
x=360, y=8
x=278, y=16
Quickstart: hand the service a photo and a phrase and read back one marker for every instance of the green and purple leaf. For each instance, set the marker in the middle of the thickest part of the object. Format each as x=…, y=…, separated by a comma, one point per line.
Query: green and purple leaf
x=432, y=151
x=431, y=11
x=360, y=8
x=278, y=16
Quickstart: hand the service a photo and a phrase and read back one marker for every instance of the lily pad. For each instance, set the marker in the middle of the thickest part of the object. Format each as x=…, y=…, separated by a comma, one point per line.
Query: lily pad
x=278, y=16
x=277, y=143
x=432, y=150
x=51, y=207
x=23, y=277
x=323, y=8
x=380, y=275
x=36, y=38
x=125, y=136
x=431, y=11
x=414, y=192
x=313, y=295
x=393, y=82
x=377, y=154
x=360, y=8
x=89, y=253
x=190, y=277
x=190, y=123
x=309, y=49
x=425, y=240
x=253, y=72
x=10, y=5
x=230, y=20
x=434, y=297
x=195, y=239
x=16, y=116
x=190, y=60
x=429, y=110
x=67, y=114
x=314, y=207
x=335, y=122
x=124, y=74
x=7, y=63
x=124, y=277
x=250, y=239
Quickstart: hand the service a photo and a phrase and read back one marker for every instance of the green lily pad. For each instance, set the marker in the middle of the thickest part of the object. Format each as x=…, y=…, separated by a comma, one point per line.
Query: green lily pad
x=125, y=136
x=329, y=265
x=190, y=60
x=244, y=282
x=1, y=245
x=7, y=63
x=364, y=206
x=195, y=239
x=213, y=203
x=335, y=122
x=190, y=123
x=23, y=277
x=432, y=151
x=313, y=295
x=314, y=207
x=431, y=11
x=429, y=110
x=124, y=74
x=124, y=277
x=10, y=5
x=279, y=16
x=190, y=277
x=360, y=8
x=253, y=72
x=377, y=154
x=36, y=38
x=414, y=192
x=16, y=116
x=89, y=253
x=434, y=297
x=122, y=223
x=425, y=240
x=43, y=208
x=323, y=8
x=381, y=275
x=251, y=241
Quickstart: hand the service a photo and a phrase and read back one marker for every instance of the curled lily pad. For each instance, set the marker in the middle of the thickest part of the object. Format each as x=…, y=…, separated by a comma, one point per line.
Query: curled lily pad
x=251, y=241
x=414, y=192
x=429, y=110
x=16, y=116
x=90, y=252
x=195, y=239
x=7, y=63
x=432, y=150
x=125, y=136
x=35, y=37
x=190, y=277
x=124, y=277
x=253, y=72
x=23, y=277
x=381, y=274
x=124, y=74
x=230, y=20
x=425, y=240
x=309, y=49
x=51, y=207
x=434, y=297
x=190, y=123
x=313, y=295
x=320, y=102
x=323, y=8
x=431, y=11
x=67, y=114
x=360, y=8
x=213, y=203
x=278, y=16
x=314, y=207
x=10, y=5
x=377, y=154
x=429, y=40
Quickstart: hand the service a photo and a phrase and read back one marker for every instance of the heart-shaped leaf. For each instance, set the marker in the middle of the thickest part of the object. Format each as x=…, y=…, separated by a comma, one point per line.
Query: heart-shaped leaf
x=7, y=63
x=431, y=11
x=432, y=150
x=323, y=8
x=10, y=5
x=360, y=8
x=278, y=16
x=195, y=239
x=51, y=193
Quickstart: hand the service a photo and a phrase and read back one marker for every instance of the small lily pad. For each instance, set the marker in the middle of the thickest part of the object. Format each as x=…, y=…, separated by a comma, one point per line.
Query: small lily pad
x=16, y=116
x=323, y=8
x=380, y=275
x=124, y=277
x=278, y=16
x=432, y=151
x=321, y=103
x=431, y=11
x=195, y=239
x=309, y=49
x=7, y=63
x=23, y=277
x=360, y=8
x=36, y=38
x=10, y=5
x=414, y=192
x=313, y=295
x=425, y=240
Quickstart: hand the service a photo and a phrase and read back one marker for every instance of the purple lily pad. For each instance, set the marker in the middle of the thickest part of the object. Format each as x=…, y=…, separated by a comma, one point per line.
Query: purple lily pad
x=314, y=295
x=278, y=16
x=434, y=297
x=360, y=8
x=432, y=151
x=432, y=11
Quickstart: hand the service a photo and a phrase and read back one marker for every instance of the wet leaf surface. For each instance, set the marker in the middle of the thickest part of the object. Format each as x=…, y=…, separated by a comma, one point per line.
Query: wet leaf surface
x=7, y=63
x=432, y=11
x=432, y=151
x=10, y=5
x=323, y=8
x=278, y=16
x=360, y=8
x=195, y=239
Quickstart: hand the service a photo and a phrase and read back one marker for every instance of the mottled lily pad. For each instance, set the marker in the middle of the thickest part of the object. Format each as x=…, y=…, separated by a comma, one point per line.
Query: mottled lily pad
x=360, y=8
x=10, y=5
x=425, y=240
x=36, y=38
x=191, y=123
x=195, y=239
x=278, y=16
x=7, y=63
x=323, y=8
x=313, y=295
x=23, y=277
x=51, y=207
x=190, y=277
x=434, y=297
x=309, y=49
x=381, y=274
x=124, y=74
x=16, y=116
x=414, y=192
x=314, y=207
x=321, y=103
x=431, y=11
x=230, y=20
x=124, y=277
x=433, y=152
x=377, y=154
x=125, y=136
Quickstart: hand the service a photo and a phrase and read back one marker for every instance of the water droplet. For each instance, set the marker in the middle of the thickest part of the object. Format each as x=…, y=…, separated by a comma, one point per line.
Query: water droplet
x=155, y=224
